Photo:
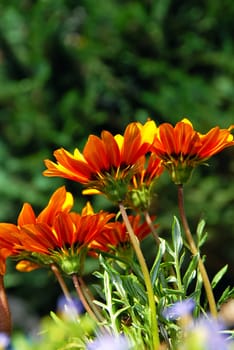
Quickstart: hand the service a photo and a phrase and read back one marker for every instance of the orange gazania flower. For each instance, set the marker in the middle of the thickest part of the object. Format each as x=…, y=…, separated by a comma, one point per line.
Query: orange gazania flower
x=10, y=237
x=182, y=148
x=8, y=240
x=104, y=160
x=141, y=194
x=66, y=241
x=116, y=236
x=153, y=169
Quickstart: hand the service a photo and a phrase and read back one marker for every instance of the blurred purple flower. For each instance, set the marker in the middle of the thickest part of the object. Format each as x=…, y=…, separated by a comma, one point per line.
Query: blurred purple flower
x=179, y=309
x=107, y=342
x=69, y=308
x=4, y=340
x=210, y=332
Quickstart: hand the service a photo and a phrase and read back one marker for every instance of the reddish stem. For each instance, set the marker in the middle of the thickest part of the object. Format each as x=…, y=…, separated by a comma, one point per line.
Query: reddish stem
x=5, y=315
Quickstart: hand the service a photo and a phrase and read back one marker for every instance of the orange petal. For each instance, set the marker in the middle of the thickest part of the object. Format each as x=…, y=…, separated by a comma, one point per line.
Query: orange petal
x=131, y=144
x=112, y=147
x=61, y=200
x=95, y=154
x=27, y=215
x=73, y=167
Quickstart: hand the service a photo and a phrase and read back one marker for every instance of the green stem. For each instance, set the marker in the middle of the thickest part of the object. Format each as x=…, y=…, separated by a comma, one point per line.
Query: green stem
x=195, y=251
x=145, y=272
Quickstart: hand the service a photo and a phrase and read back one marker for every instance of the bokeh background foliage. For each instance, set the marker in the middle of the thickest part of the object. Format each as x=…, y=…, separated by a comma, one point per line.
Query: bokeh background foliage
x=70, y=68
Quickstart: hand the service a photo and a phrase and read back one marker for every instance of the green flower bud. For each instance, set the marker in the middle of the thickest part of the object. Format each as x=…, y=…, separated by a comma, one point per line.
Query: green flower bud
x=139, y=198
x=181, y=173
x=70, y=264
x=116, y=189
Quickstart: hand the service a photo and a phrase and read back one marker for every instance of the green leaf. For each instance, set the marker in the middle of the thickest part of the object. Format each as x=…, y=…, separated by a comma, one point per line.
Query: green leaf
x=218, y=276
x=134, y=288
x=182, y=257
x=227, y=293
x=200, y=227
x=169, y=250
x=57, y=320
x=171, y=291
x=157, y=261
x=201, y=235
x=202, y=240
x=176, y=236
x=190, y=272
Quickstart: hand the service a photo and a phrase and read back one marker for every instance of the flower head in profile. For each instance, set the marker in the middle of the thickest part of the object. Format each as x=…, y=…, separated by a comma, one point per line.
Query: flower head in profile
x=141, y=194
x=182, y=148
x=10, y=234
x=106, y=164
x=56, y=235
x=65, y=240
x=115, y=238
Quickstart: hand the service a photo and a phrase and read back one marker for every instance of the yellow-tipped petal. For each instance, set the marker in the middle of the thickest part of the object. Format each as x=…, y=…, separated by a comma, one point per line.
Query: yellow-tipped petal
x=69, y=201
x=187, y=121
x=120, y=140
x=148, y=131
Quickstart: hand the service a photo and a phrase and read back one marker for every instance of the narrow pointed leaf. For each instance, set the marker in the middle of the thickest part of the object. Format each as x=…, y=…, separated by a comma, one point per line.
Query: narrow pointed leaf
x=157, y=261
x=190, y=272
x=176, y=236
x=218, y=276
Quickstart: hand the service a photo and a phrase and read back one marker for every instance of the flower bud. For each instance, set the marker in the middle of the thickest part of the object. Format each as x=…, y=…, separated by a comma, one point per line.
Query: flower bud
x=70, y=264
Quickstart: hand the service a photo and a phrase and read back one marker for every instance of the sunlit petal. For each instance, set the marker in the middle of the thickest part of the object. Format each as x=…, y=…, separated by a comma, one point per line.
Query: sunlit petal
x=27, y=215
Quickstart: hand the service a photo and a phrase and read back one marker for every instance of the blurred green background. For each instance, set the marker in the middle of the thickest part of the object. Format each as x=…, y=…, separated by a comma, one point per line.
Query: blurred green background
x=71, y=68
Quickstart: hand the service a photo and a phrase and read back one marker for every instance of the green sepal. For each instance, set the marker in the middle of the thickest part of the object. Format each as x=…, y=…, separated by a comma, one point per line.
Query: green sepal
x=180, y=173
